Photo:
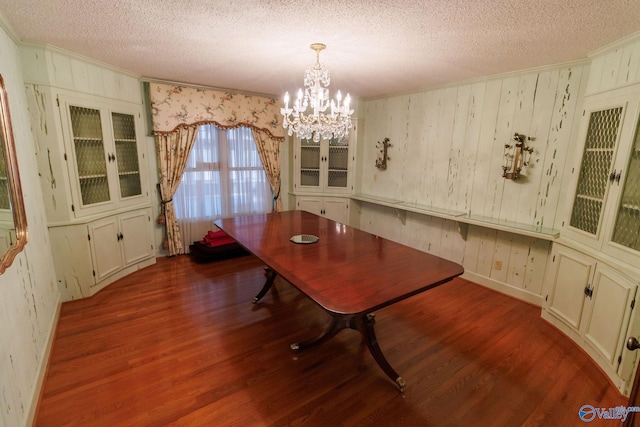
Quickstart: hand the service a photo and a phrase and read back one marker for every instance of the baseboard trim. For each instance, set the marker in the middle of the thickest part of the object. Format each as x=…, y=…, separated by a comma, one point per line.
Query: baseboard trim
x=44, y=366
x=504, y=288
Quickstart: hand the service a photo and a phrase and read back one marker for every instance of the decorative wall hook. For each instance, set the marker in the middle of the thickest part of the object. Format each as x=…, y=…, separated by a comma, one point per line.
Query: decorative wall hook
x=516, y=156
x=381, y=162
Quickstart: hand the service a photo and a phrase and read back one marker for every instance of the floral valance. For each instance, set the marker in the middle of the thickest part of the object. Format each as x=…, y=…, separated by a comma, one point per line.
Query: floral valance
x=174, y=105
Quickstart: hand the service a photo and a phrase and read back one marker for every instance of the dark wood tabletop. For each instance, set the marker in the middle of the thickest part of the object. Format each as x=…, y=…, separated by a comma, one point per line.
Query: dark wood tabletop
x=348, y=271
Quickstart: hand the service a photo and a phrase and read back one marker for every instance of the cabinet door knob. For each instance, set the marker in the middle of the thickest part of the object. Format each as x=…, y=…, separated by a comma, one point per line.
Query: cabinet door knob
x=633, y=344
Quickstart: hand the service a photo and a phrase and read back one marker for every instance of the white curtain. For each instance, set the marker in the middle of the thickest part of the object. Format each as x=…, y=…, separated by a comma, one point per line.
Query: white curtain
x=224, y=177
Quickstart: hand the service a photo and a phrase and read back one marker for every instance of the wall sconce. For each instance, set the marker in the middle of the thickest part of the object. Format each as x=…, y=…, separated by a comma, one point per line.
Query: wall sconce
x=516, y=156
x=381, y=161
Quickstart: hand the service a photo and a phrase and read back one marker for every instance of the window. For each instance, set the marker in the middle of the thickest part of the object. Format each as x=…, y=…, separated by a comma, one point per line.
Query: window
x=224, y=177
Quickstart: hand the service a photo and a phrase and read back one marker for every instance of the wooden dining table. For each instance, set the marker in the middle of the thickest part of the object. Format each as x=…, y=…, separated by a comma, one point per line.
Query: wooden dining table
x=347, y=272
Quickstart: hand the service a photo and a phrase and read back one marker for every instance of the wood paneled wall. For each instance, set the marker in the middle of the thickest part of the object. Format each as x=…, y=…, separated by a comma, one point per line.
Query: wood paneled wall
x=447, y=153
x=29, y=299
x=615, y=66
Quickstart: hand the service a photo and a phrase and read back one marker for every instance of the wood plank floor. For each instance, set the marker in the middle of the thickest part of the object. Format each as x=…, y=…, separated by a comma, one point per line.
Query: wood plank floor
x=179, y=343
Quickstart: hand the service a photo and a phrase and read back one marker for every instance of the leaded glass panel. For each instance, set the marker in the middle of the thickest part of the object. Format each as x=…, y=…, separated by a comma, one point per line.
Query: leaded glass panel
x=602, y=134
x=310, y=163
x=338, y=163
x=124, y=133
x=627, y=229
x=338, y=166
x=91, y=164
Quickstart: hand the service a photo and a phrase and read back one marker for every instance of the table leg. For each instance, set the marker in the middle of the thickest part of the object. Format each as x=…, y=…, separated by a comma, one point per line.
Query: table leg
x=363, y=324
x=270, y=274
x=336, y=326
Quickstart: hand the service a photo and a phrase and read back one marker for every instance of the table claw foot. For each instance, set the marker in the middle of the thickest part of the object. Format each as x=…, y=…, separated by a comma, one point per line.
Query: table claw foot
x=401, y=384
x=295, y=346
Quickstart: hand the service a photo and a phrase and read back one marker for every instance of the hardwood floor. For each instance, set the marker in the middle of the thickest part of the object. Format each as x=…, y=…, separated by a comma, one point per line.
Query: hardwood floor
x=179, y=343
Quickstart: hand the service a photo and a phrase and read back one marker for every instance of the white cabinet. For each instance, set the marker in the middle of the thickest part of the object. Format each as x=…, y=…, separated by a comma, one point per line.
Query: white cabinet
x=89, y=256
x=571, y=275
x=605, y=213
x=334, y=208
x=92, y=163
x=91, y=155
x=92, y=151
x=102, y=139
x=120, y=241
x=592, y=302
x=323, y=173
x=325, y=166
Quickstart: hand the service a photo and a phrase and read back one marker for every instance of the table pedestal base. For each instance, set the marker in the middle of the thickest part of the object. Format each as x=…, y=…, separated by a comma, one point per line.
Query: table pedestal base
x=362, y=323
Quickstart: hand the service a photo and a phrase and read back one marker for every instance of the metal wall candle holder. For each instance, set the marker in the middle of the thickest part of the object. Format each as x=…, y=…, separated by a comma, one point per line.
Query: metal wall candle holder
x=381, y=162
x=516, y=156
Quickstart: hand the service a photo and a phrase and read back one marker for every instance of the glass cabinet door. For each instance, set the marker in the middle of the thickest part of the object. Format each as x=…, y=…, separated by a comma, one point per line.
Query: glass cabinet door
x=124, y=135
x=322, y=166
x=309, y=163
x=597, y=158
x=338, y=163
x=626, y=231
x=91, y=164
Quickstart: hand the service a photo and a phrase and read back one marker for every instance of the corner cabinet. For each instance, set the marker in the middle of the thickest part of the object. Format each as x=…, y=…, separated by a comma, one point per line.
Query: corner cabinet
x=323, y=166
x=93, y=168
x=593, y=277
x=605, y=213
x=593, y=302
x=323, y=173
x=334, y=208
x=90, y=255
x=119, y=241
x=105, y=154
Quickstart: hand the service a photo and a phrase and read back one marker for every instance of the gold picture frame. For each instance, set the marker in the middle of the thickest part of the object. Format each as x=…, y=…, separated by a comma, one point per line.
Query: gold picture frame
x=13, y=225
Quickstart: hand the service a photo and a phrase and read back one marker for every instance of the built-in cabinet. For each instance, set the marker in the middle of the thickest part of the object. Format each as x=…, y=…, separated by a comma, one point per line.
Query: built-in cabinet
x=95, y=160
x=119, y=241
x=593, y=277
x=99, y=210
x=334, y=208
x=323, y=166
x=605, y=213
x=90, y=255
x=592, y=302
x=105, y=153
x=323, y=175
x=88, y=124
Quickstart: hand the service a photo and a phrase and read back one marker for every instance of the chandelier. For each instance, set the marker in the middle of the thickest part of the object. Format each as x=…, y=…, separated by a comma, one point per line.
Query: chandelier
x=318, y=122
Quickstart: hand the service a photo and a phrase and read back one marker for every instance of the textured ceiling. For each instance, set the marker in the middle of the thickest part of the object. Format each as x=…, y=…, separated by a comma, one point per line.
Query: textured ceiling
x=374, y=48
